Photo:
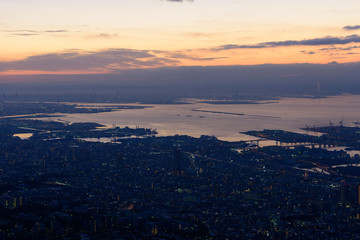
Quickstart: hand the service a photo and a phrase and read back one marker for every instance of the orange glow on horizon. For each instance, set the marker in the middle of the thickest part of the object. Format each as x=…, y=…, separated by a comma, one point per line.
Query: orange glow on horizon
x=196, y=57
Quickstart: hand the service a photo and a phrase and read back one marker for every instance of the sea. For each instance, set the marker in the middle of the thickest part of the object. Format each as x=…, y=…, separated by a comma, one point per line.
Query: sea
x=228, y=122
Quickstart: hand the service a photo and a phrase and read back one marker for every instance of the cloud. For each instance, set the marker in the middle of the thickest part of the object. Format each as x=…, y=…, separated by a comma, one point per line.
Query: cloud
x=103, y=35
x=339, y=48
x=307, y=42
x=308, y=52
x=89, y=61
x=56, y=31
x=355, y=27
x=186, y=55
x=112, y=59
x=30, y=32
x=25, y=34
x=21, y=31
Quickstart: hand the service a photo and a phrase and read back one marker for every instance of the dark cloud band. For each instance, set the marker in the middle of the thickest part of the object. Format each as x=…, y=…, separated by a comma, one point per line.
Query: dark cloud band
x=107, y=59
x=352, y=27
x=77, y=60
x=289, y=43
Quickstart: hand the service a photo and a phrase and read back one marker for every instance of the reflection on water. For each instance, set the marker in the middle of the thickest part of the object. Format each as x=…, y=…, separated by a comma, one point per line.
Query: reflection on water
x=108, y=140
x=23, y=136
x=103, y=140
x=289, y=114
x=346, y=165
x=266, y=143
x=352, y=153
x=314, y=170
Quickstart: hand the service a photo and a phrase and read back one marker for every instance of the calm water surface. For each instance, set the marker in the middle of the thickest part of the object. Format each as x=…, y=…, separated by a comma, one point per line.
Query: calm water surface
x=288, y=114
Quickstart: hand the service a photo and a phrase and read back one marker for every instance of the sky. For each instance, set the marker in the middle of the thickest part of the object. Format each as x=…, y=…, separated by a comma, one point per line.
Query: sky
x=112, y=36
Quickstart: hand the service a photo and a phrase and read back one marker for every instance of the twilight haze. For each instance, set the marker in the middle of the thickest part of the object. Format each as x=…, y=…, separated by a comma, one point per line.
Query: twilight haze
x=124, y=41
x=179, y=119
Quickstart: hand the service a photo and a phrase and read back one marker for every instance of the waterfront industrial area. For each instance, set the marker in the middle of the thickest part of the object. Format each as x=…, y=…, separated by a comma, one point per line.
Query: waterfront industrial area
x=56, y=185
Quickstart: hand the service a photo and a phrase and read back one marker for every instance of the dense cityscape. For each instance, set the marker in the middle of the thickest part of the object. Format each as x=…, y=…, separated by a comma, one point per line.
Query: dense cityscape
x=179, y=119
x=55, y=185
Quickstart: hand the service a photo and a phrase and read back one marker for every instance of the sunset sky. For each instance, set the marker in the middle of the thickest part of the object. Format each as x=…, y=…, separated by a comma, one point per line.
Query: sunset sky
x=93, y=36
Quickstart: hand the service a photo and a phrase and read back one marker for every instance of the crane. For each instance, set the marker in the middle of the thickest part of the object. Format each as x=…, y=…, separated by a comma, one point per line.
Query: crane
x=341, y=123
